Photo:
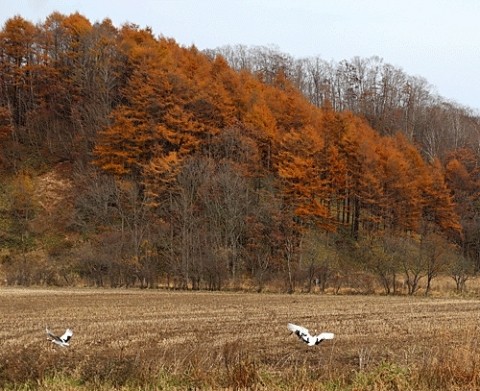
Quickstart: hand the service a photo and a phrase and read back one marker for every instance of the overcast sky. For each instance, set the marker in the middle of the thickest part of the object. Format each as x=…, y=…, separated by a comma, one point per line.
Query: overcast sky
x=436, y=39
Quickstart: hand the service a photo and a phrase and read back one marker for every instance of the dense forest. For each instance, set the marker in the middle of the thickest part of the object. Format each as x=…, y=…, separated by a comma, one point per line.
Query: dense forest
x=129, y=160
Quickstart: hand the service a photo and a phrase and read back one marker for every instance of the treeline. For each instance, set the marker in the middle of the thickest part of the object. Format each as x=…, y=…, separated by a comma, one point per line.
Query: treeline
x=129, y=160
x=388, y=98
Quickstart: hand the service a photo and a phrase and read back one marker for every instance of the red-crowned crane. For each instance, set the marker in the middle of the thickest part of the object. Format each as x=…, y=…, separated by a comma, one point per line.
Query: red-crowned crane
x=305, y=336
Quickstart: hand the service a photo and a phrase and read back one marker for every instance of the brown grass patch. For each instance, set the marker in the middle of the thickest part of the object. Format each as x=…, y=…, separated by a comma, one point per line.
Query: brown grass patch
x=129, y=339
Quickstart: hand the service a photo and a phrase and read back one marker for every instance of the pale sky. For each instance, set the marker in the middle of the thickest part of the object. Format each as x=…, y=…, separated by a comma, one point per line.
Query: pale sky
x=435, y=39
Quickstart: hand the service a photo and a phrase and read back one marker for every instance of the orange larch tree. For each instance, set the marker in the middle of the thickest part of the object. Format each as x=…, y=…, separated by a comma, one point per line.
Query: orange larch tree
x=126, y=145
x=439, y=206
x=17, y=61
x=400, y=176
x=462, y=177
x=367, y=192
x=299, y=167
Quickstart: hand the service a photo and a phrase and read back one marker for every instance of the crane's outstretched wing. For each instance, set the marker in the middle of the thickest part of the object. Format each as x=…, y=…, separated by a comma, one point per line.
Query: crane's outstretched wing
x=301, y=332
x=66, y=335
x=323, y=336
x=51, y=336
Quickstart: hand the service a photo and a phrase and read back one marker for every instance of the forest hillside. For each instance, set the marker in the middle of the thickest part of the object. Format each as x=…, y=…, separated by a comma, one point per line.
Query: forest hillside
x=129, y=160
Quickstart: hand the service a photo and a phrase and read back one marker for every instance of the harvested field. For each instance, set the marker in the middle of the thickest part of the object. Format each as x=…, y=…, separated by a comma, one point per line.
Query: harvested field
x=131, y=339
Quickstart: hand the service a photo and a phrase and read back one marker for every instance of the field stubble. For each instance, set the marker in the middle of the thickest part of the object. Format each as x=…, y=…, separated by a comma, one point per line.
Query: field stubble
x=130, y=339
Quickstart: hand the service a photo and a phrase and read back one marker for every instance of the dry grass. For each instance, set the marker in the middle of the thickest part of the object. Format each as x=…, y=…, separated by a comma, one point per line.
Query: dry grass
x=152, y=340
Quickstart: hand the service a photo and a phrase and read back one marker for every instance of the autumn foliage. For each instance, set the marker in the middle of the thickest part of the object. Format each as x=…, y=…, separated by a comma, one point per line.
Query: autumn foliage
x=188, y=170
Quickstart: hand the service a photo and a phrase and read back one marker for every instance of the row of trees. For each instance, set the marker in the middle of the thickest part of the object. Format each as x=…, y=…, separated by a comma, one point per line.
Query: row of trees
x=131, y=160
x=385, y=95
